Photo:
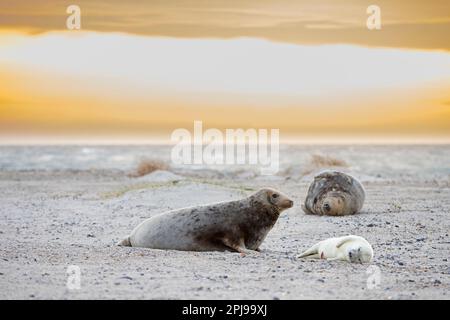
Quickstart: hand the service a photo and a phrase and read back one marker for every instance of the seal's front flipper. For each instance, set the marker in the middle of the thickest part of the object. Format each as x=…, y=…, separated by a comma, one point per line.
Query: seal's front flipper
x=312, y=252
x=125, y=242
x=236, y=247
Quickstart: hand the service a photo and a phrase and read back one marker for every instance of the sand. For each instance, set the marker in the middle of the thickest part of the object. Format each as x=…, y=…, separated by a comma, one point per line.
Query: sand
x=63, y=206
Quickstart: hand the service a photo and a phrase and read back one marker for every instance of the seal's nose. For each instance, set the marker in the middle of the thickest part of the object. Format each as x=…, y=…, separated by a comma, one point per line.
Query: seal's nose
x=290, y=203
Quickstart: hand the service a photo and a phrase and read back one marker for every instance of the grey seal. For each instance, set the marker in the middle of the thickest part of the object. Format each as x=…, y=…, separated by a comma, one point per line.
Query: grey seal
x=334, y=193
x=239, y=225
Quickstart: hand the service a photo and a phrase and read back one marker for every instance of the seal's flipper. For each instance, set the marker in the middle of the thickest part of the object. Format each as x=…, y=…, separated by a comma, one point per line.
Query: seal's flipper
x=311, y=252
x=125, y=242
x=236, y=247
x=346, y=239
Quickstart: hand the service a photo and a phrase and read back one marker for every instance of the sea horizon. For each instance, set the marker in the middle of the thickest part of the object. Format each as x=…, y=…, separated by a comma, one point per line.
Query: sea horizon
x=104, y=140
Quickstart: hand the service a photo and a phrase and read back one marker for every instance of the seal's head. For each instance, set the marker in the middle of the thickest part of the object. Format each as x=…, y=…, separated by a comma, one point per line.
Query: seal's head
x=360, y=254
x=332, y=204
x=274, y=198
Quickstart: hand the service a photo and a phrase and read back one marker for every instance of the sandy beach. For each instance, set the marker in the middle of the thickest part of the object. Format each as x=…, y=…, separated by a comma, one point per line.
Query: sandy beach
x=69, y=205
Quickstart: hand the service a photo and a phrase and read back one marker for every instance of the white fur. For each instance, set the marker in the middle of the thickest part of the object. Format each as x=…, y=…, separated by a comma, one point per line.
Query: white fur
x=348, y=248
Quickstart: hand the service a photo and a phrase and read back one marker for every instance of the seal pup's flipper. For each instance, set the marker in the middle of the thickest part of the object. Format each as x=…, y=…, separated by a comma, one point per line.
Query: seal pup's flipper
x=312, y=252
x=125, y=242
x=347, y=239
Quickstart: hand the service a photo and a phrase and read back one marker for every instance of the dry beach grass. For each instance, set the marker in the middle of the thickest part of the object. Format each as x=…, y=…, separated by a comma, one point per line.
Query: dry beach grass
x=147, y=166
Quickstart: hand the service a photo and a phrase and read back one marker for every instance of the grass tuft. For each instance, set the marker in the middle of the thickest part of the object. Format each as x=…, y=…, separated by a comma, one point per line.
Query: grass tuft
x=147, y=166
x=320, y=162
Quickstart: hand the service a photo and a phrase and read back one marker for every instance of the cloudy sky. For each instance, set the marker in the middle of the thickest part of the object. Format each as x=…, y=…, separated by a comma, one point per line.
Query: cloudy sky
x=306, y=67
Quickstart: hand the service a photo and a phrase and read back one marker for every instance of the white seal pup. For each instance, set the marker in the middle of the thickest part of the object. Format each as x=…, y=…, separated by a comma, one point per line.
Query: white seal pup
x=334, y=193
x=239, y=225
x=349, y=248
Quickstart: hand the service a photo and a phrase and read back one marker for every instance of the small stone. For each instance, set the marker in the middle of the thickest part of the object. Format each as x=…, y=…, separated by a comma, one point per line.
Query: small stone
x=89, y=235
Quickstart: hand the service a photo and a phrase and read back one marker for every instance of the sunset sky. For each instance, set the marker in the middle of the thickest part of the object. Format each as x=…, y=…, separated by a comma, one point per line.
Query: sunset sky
x=146, y=68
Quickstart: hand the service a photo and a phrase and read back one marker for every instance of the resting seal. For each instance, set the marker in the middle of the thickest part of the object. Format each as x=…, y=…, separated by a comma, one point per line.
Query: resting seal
x=334, y=193
x=239, y=225
x=348, y=248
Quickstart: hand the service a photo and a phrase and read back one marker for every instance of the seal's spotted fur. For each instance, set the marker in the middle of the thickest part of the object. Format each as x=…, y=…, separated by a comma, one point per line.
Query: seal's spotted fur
x=334, y=193
x=234, y=225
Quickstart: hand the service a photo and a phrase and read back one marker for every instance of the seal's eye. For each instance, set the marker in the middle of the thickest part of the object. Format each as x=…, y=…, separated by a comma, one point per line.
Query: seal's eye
x=275, y=195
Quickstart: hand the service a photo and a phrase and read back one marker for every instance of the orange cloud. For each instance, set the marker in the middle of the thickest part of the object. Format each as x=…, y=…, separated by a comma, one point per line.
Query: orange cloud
x=405, y=24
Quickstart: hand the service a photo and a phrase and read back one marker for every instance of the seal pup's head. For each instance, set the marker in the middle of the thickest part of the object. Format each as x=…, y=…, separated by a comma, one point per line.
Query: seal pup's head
x=359, y=253
x=273, y=198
